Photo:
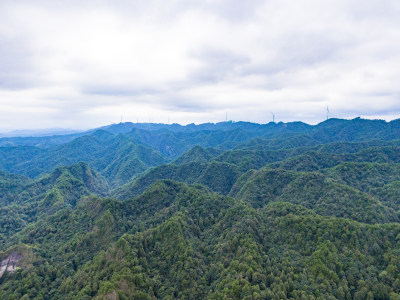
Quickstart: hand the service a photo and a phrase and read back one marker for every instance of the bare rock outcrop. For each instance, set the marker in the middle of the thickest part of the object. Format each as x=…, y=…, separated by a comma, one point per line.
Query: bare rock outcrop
x=10, y=263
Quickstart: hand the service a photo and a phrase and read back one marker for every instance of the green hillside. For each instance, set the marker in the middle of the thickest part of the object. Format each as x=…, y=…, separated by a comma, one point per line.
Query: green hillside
x=65, y=187
x=197, y=154
x=219, y=177
x=232, y=210
x=184, y=242
x=118, y=158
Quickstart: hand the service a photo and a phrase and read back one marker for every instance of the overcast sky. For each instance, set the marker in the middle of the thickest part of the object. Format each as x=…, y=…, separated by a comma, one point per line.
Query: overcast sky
x=82, y=64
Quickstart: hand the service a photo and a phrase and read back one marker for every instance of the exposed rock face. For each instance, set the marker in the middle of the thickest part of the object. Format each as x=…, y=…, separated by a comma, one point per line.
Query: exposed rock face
x=10, y=263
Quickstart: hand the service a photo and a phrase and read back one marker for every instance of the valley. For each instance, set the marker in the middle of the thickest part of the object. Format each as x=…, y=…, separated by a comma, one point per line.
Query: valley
x=232, y=210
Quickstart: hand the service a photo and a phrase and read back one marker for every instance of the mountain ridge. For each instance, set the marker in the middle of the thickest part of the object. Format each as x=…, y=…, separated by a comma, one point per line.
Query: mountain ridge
x=232, y=210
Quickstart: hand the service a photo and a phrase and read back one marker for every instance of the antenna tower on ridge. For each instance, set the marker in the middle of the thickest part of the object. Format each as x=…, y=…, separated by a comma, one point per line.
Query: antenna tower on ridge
x=327, y=112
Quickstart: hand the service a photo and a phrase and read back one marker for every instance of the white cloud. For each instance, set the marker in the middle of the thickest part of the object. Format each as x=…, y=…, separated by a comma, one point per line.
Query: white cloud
x=84, y=63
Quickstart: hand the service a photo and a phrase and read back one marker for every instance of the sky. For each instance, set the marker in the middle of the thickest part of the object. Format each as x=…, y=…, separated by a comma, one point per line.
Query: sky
x=82, y=64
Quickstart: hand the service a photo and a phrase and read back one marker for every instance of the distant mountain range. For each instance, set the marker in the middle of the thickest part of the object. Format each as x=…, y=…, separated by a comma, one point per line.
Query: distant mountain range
x=39, y=132
x=232, y=210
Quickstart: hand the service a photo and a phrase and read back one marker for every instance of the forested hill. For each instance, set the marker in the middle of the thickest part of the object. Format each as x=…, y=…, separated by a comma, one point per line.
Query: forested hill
x=233, y=210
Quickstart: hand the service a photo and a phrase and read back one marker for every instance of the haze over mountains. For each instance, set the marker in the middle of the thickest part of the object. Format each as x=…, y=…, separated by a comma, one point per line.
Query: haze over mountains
x=39, y=132
x=232, y=210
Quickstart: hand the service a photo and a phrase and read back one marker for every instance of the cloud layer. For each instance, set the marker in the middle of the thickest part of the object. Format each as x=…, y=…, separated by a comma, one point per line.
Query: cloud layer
x=82, y=64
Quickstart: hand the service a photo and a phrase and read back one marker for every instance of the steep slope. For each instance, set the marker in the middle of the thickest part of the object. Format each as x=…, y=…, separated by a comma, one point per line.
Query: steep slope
x=186, y=172
x=10, y=184
x=67, y=184
x=363, y=175
x=256, y=159
x=65, y=187
x=84, y=148
x=277, y=142
x=318, y=160
x=102, y=148
x=268, y=255
x=10, y=157
x=173, y=144
x=312, y=161
x=314, y=191
x=197, y=154
x=126, y=161
x=184, y=242
x=274, y=211
x=118, y=158
x=354, y=147
x=388, y=194
x=219, y=177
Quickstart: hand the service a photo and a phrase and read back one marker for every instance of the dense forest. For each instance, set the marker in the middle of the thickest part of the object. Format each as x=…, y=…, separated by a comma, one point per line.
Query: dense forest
x=232, y=210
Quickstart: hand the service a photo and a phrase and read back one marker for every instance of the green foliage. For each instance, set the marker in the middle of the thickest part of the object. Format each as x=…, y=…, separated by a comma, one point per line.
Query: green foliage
x=197, y=154
x=220, y=177
x=65, y=187
x=245, y=211
x=325, y=194
x=118, y=158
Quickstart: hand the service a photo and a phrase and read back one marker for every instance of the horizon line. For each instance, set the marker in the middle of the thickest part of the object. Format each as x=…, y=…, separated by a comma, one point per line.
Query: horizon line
x=6, y=134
